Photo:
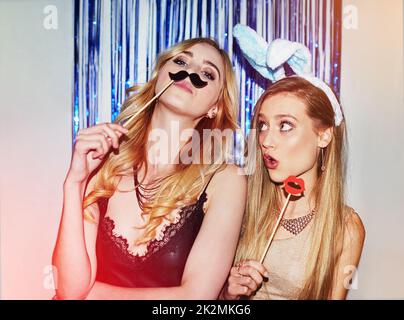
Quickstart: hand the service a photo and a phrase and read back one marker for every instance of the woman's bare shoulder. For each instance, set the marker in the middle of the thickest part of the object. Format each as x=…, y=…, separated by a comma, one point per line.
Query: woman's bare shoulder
x=228, y=184
x=229, y=180
x=354, y=227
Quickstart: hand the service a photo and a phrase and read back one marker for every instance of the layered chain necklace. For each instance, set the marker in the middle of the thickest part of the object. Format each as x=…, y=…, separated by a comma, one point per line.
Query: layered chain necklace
x=297, y=225
x=145, y=193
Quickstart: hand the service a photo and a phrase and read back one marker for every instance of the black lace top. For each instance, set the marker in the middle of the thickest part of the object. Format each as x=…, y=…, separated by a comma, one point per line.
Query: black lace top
x=164, y=262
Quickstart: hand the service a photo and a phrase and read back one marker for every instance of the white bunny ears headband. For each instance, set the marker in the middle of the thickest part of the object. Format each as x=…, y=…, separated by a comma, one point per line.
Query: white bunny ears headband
x=268, y=59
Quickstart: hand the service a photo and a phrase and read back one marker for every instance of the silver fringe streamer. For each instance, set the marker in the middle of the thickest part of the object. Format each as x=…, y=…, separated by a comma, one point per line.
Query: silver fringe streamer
x=117, y=42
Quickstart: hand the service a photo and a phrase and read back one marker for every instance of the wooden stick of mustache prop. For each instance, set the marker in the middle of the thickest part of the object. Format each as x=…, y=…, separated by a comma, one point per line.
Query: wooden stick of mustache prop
x=148, y=104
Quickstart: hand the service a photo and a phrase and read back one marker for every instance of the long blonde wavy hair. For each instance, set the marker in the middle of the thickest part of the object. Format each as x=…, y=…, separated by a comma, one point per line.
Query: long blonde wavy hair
x=183, y=186
x=264, y=196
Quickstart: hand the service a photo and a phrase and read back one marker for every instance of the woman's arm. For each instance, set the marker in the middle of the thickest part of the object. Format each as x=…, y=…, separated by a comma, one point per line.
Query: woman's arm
x=354, y=238
x=74, y=253
x=212, y=253
x=74, y=256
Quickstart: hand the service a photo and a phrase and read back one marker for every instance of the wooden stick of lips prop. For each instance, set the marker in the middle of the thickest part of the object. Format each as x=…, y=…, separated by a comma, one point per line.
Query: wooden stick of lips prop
x=196, y=81
x=293, y=186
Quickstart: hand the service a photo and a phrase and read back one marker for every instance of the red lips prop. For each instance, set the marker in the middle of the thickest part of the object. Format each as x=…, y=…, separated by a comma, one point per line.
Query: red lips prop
x=294, y=186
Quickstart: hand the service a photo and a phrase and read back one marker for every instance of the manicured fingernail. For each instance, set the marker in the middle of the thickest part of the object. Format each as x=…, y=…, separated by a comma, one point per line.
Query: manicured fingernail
x=266, y=274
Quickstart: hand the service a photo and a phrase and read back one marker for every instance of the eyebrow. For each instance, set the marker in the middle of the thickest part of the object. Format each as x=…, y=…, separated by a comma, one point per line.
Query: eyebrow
x=279, y=116
x=189, y=53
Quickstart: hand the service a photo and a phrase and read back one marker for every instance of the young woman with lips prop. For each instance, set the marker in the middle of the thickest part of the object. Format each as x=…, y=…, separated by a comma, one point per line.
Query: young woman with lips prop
x=299, y=130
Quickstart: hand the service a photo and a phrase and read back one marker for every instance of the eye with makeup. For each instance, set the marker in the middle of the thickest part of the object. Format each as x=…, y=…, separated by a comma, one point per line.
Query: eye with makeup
x=208, y=75
x=286, y=126
x=262, y=126
x=180, y=61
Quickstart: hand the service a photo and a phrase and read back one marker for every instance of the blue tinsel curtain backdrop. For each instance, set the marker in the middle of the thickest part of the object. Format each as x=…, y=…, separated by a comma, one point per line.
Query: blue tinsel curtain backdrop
x=117, y=42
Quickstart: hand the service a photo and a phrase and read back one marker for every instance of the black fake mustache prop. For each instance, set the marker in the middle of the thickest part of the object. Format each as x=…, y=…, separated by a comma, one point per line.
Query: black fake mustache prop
x=196, y=80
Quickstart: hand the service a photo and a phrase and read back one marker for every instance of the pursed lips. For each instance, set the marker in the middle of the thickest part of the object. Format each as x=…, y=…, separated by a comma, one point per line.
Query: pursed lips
x=184, y=85
x=268, y=157
x=270, y=162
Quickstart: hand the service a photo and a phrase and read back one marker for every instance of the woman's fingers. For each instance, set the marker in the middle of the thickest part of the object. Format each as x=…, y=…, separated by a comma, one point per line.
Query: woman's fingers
x=238, y=290
x=100, y=139
x=248, y=282
x=106, y=144
x=239, y=284
x=111, y=131
x=94, y=142
x=84, y=147
x=104, y=126
x=246, y=276
x=251, y=273
x=118, y=127
x=114, y=135
x=257, y=266
x=234, y=271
